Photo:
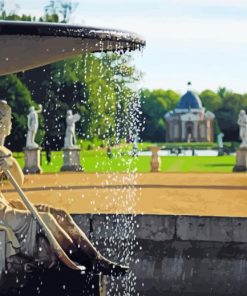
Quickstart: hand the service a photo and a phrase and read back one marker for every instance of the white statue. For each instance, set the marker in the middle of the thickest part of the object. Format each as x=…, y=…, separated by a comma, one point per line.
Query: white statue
x=220, y=137
x=242, y=122
x=70, y=137
x=33, y=124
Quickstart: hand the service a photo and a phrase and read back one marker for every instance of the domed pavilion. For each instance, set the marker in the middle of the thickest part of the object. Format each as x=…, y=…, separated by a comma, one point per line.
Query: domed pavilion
x=189, y=121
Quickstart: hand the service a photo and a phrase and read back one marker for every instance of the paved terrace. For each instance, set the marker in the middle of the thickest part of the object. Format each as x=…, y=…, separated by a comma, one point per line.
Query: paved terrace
x=152, y=193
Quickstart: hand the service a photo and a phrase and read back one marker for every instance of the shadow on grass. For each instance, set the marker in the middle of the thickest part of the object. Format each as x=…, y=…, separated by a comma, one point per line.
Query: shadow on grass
x=219, y=165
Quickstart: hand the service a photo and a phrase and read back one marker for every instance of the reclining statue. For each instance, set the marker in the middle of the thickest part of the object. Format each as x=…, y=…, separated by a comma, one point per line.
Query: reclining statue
x=24, y=228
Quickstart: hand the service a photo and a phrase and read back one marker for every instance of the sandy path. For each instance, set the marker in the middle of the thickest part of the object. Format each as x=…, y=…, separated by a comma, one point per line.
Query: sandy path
x=157, y=193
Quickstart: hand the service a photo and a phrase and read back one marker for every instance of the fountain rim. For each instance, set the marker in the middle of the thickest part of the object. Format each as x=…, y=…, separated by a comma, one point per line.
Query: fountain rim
x=43, y=29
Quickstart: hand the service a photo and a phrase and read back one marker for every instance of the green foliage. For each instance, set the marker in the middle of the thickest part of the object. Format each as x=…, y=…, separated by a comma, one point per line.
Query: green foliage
x=226, y=106
x=59, y=10
x=12, y=15
x=221, y=92
x=227, y=115
x=210, y=100
x=155, y=104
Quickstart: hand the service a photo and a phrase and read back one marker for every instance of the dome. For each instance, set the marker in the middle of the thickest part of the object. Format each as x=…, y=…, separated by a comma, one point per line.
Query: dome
x=189, y=101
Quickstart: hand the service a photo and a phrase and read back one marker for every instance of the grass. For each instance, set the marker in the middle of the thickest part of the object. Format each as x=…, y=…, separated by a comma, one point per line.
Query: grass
x=200, y=164
x=97, y=161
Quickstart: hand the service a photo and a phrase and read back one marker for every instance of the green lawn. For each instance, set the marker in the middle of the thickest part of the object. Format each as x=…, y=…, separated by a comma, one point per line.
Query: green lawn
x=97, y=161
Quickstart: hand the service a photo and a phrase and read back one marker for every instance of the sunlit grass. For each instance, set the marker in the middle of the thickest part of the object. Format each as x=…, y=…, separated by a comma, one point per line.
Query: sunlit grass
x=122, y=161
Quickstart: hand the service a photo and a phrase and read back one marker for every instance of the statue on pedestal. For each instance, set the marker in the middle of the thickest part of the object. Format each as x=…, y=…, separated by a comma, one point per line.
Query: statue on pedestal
x=70, y=137
x=61, y=237
x=33, y=124
x=220, y=137
x=242, y=122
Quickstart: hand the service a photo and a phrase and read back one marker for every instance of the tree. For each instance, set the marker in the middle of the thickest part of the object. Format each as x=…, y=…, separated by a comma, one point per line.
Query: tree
x=211, y=100
x=222, y=92
x=59, y=11
x=227, y=115
x=155, y=104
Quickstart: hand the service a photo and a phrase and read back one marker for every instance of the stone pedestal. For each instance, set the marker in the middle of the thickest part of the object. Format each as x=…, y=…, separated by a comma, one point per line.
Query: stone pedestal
x=155, y=160
x=220, y=151
x=2, y=251
x=241, y=160
x=71, y=160
x=32, y=161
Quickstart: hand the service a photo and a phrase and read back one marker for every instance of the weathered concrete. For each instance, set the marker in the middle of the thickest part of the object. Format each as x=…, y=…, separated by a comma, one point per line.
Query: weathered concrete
x=71, y=160
x=180, y=255
x=241, y=160
x=59, y=281
x=32, y=161
x=2, y=252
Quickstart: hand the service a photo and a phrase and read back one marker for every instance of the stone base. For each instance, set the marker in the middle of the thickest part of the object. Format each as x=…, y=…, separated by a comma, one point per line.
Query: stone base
x=61, y=282
x=71, y=168
x=71, y=160
x=32, y=161
x=220, y=151
x=180, y=255
x=241, y=160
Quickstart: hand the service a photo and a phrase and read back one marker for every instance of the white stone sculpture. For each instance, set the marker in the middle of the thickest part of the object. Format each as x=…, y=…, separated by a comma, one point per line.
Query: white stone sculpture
x=70, y=137
x=220, y=137
x=33, y=124
x=242, y=122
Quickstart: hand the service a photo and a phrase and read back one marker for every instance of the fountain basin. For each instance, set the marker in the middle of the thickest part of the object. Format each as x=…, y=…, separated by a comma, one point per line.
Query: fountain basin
x=27, y=45
x=196, y=223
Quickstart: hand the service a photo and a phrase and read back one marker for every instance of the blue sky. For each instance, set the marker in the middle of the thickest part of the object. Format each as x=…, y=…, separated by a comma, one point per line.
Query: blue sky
x=203, y=41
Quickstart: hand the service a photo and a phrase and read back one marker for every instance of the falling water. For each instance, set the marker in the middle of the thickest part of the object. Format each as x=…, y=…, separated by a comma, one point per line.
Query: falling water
x=115, y=235
x=118, y=240
x=113, y=119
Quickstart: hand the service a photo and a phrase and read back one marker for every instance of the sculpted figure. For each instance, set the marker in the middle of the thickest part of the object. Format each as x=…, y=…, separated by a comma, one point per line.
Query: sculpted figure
x=24, y=228
x=220, y=137
x=70, y=137
x=242, y=122
x=32, y=124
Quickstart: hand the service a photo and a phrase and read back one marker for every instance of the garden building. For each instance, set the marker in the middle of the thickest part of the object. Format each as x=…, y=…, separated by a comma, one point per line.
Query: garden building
x=189, y=121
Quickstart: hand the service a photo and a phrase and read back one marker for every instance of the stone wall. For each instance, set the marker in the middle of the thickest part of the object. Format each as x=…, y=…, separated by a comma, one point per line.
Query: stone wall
x=179, y=255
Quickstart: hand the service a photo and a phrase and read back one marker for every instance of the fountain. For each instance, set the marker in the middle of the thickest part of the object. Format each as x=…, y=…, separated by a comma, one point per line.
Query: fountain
x=26, y=45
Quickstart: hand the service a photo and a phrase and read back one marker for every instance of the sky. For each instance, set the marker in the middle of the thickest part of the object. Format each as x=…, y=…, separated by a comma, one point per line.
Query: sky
x=202, y=41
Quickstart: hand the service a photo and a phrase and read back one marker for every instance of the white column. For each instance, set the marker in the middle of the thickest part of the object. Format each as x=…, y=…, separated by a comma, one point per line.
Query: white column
x=195, y=136
x=183, y=130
